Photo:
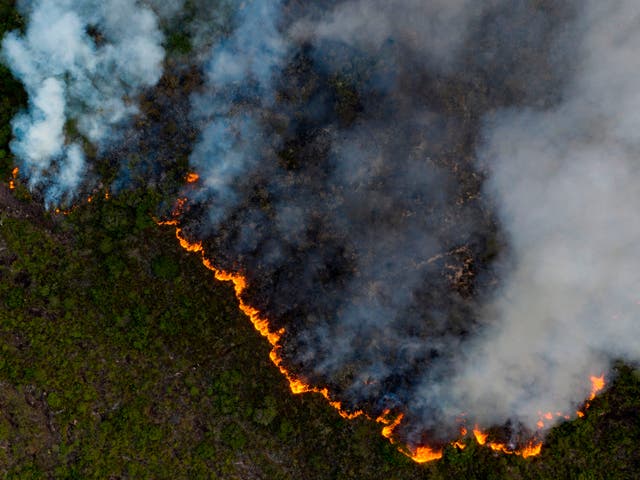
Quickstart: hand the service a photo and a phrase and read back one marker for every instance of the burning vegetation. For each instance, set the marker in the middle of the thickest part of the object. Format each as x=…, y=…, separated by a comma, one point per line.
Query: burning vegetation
x=413, y=229
x=420, y=453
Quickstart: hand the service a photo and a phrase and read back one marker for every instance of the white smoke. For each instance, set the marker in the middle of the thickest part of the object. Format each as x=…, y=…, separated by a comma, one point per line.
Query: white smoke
x=74, y=75
x=240, y=69
x=567, y=181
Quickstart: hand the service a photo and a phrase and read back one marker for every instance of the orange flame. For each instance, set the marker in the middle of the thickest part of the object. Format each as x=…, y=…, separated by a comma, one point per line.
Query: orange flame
x=192, y=177
x=534, y=448
x=597, y=384
x=424, y=454
x=14, y=177
x=499, y=447
x=480, y=436
x=531, y=450
x=419, y=454
x=90, y=199
x=387, y=431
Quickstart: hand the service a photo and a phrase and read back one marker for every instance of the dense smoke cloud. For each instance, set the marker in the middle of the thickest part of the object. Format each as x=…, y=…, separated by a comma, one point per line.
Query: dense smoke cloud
x=80, y=62
x=566, y=182
x=436, y=200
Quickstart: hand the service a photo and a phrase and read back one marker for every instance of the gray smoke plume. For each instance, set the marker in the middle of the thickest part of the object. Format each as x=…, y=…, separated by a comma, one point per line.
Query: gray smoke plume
x=239, y=88
x=81, y=63
x=436, y=199
x=566, y=182
x=435, y=30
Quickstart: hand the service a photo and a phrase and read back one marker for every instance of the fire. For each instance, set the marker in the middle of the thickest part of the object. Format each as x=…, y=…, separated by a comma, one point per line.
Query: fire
x=424, y=454
x=534, y=448
x=500, y=447
x=192, y=177
x=459, y=444
x=480, y=436
x=531, y=450
x=387, y=431
x=89, y=199
x=14, y=177
x=419, y=453
x=597, y=384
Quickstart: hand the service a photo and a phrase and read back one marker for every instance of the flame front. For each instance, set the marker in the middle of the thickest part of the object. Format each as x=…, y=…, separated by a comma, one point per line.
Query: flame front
x=296, y=385
x=531, y=449
x=418, y=453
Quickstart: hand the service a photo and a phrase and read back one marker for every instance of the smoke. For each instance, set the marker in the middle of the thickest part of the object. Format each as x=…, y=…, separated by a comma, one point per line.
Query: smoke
x=371, y=240
x=81, y=62
x=433, y=30
x=436, y=200
x=238, y=89
x=566, y=182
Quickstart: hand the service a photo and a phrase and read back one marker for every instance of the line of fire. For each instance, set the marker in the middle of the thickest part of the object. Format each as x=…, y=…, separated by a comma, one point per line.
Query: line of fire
x=391, y=420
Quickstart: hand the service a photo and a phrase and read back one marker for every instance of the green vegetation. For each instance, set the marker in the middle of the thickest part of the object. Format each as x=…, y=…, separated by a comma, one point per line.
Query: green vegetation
x=121, y=357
